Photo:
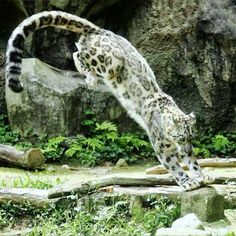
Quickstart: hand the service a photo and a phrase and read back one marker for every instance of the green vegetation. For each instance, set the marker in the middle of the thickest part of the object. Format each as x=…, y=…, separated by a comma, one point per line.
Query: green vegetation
x=113, y=218
x=101, y=142
x=28, y=182
x=230, y=234
x=6, y=135
x=222, y=144
x=105, y=144
x=98, y=142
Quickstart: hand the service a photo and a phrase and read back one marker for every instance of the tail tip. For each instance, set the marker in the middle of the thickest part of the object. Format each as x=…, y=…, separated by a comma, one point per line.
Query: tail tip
x=15, y=85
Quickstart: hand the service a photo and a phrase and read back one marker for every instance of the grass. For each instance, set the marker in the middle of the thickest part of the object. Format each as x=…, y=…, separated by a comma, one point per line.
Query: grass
x=113, y=218
x=87, y=216
x=28, y=182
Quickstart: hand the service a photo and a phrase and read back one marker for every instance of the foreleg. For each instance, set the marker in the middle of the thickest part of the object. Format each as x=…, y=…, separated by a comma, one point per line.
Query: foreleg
x=187, y=156
x=182, y=179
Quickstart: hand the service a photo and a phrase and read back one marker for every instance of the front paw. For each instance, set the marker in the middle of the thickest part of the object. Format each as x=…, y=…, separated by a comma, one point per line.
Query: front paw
x=191, y=184
x=206, y=179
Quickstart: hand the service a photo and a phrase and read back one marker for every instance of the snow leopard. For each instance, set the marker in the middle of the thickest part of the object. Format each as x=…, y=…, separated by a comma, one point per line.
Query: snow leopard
x=102, y=55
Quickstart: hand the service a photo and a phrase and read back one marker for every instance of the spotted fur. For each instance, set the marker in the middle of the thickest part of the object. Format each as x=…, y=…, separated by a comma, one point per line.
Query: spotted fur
x=103, y=55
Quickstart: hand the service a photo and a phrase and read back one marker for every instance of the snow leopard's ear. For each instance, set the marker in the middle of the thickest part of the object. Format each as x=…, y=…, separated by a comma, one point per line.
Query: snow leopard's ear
x=192, y=118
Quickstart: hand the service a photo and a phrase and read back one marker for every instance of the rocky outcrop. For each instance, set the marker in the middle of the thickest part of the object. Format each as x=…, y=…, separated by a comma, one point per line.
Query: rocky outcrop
x=190, y=45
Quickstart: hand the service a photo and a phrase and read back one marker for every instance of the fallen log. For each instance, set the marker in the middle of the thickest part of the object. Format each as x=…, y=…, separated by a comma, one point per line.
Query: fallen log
x=31, y=196
x=210, y=162
x=63, y=195
x=31, y=159
x=111, y=180
x=96, y=184
x=34, y=197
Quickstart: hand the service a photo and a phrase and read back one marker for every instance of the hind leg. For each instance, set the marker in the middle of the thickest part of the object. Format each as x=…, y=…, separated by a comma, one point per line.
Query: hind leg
x=190, y=160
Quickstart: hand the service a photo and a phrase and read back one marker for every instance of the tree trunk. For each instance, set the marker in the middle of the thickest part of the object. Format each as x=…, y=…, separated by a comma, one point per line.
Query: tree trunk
x=31, y=159
x=35, y=197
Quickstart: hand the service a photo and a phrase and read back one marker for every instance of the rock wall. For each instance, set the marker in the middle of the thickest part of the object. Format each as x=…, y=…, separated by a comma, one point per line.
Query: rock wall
x=190, y=45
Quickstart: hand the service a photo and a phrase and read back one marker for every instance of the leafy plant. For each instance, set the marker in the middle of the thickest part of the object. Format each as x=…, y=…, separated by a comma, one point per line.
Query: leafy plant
x=89, y=122
x=102, y=142
x=202, y=151
x=106, y=144
x=219, y=144
x=54, y=148
x=157, y=213
x=6, y=135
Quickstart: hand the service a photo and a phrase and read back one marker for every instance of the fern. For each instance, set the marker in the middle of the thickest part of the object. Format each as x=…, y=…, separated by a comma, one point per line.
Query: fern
x=106, y=131
x=93, y=143
x=206, y=153
x=220, y=142
x=54, y=142
x=111, y=136
x=202, y=152
x=53, y=149
x=73, y=150
x=106, y=126
x=197, y=151
x=133, y=140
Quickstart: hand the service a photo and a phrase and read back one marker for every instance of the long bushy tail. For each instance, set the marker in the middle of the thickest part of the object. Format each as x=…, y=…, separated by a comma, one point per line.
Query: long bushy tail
x=15, y=46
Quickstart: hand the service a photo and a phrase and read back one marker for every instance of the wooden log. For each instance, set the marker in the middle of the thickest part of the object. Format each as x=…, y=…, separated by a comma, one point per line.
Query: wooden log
x=34, y=197
x=210, y=162
x=94, y=185
x=61, y=196
x=31, y=159
x=111, y=180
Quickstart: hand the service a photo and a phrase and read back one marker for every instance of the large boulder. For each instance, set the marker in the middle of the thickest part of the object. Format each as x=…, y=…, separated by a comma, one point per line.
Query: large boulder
x=54, y=101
